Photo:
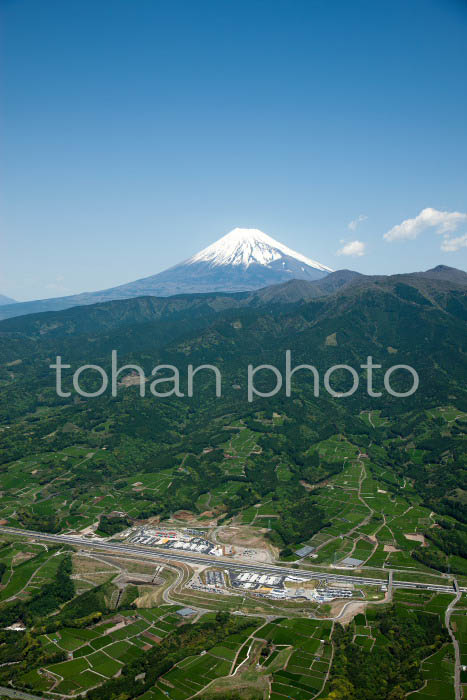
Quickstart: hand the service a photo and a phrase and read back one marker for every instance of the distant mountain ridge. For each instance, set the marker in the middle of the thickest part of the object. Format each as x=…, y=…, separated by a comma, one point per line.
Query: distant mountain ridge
x=414, y=319
x=443, y=272
x=342, y=288
x=6, y=300
x=242, y=260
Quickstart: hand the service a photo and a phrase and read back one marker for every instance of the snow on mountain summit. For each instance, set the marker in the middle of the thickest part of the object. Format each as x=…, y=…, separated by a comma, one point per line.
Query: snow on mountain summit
x=243, y=260
x=246, y=246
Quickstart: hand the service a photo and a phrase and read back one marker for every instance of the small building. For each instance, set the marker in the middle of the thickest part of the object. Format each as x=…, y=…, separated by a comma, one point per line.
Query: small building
x=304, y=551
x=351, y=562
x=186, y=612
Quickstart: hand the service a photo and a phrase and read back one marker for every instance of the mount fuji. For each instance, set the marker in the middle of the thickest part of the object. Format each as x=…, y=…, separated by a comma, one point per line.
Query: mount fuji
x=250, y=246
x=243, y=260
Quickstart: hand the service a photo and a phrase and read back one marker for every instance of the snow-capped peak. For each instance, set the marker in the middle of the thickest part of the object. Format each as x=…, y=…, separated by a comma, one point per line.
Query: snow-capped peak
x=245, y=246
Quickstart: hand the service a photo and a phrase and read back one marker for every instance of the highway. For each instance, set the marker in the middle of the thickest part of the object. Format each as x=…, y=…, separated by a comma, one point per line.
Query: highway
x=189, y=558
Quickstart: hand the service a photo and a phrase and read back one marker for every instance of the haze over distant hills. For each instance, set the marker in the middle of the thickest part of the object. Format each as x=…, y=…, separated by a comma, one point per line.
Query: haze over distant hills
x=442, y=288
x=6, y=300
x=242, y=260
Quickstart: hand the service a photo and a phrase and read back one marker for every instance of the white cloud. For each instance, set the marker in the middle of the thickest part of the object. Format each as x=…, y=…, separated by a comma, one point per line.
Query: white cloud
x=352, y=225
x=442, y=221
x=451, y=245
x=355, y=248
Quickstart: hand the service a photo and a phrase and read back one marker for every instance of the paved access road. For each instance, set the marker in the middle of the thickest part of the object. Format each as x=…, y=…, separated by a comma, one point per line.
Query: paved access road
x=189, y=558
x=457, y=654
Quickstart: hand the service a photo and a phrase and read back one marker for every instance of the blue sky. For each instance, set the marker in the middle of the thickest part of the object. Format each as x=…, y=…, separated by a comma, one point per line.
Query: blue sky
x=135, y=133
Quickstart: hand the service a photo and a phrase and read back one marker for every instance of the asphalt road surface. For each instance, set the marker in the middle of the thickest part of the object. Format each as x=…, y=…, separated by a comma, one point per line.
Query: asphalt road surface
x=189, y=558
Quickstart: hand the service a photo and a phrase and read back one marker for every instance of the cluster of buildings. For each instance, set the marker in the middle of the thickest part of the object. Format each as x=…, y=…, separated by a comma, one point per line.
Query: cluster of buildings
x=171, y=539
x=286, y=587
x=255, y=581
x=264, y=585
